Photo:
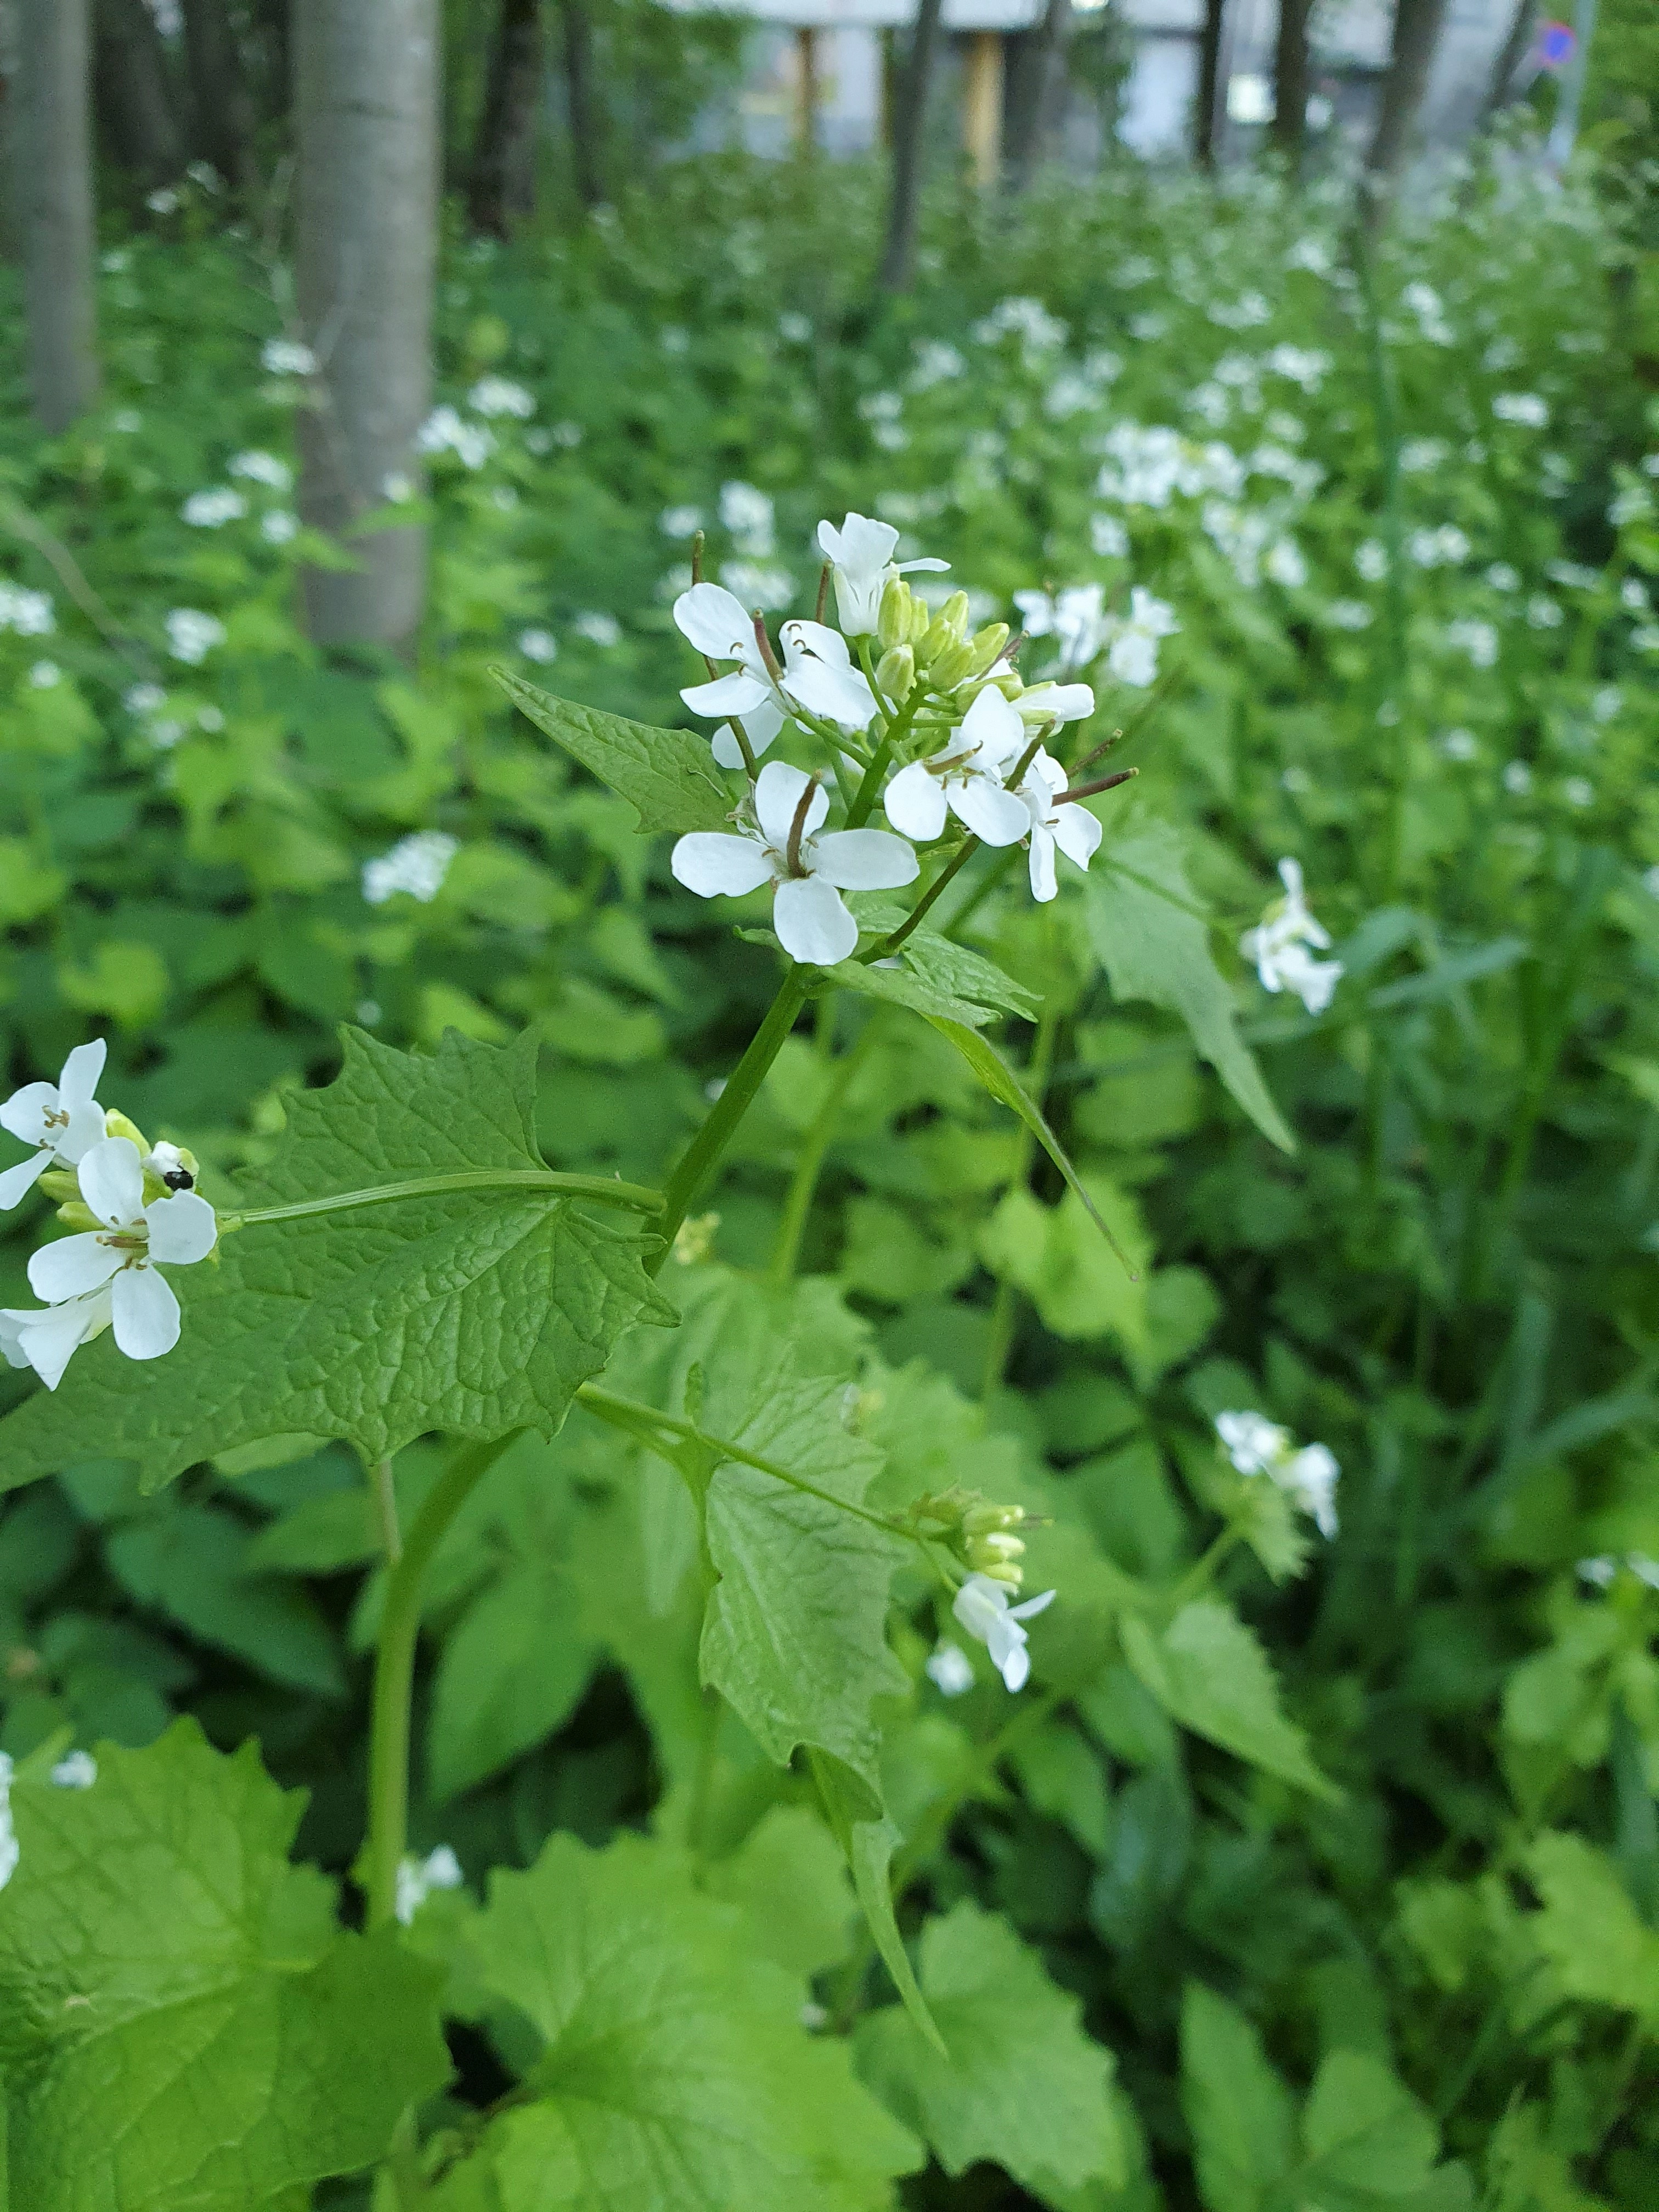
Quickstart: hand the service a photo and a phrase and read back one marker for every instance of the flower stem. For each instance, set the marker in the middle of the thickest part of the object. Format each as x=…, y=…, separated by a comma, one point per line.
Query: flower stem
x=394, y=1673
x=889, y=944
x=798, y=1206
x=1005, y=1310
x=1203, y=1571
x=729, y=1108
x=600, y=1188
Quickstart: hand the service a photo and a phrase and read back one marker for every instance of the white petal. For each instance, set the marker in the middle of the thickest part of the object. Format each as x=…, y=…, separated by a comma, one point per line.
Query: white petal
x=715, y=623
x=48, y=1340
x=760, y=725
x=145, y=1312
x=71, y=1266
x=85, y=1129
x=78, y=1082
x=993, y=728
x=1032, y=1607
x=112, y=1180
x=1078, y=833
x=778, y=791
x=839, y=695
x=1056, y=702
x=914, y=803
x=11, y=1335
x=1289, y=874
x=183, y=1229
x=739, y=693
x=862, y=546
x=715, y=865
x=801, y=639
x=24, y=1113
x=1043, y=885
x=865, y=860
x=932, y=563
x=813, y=925
x=996, y=816
x=17, y=1183
x=1016, y=1668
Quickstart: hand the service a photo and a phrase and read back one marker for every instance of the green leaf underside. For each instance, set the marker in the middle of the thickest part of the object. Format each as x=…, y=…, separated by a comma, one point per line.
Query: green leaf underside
x=178, y=1996
x=1153, y=947
x=471, y=1312
x=674, y=2074
x=667, y=776
x=1023, y=2084
x=898, y=987
x=1208, y=1672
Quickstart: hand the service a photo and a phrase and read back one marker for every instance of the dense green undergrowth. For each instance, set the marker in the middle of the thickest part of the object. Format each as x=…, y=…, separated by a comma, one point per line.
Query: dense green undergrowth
x=1394, y=1943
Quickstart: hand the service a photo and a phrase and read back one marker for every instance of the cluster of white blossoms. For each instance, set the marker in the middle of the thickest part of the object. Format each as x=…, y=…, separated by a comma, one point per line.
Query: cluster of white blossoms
x=134, y=1208
x=899, y=686
x=1280, y=946
x=1308, y=1476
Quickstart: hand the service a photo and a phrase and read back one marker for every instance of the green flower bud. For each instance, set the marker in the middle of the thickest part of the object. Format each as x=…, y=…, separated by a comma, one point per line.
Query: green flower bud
x=894, y=619
x=954, y=613
x=78, y=1215
x=116, y=1124
x=987, y=643
x=952, y=665
x=895, y=671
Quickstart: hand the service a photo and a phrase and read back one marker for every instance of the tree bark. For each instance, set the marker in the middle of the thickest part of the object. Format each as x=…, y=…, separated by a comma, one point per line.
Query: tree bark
x=1416, y=34
x=910, y=126
x=1510, y=55
x=135, y=98
x=223, y=109
x=366, y=105
x=1210, y=104
x=501, y=189
x=53, y=141
x=1037, y=95
x=1291, y=77
x=586, y=151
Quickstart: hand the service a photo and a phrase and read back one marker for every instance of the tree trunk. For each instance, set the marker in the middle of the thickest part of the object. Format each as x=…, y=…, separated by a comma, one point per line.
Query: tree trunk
x=909, y=127
x=1416, y=34
x=1291, y=75
x=366, y=87
x=1210, y=106
x=1510, y=55
x=1037, y=95
x=53, y=142
x=586, y=153
x=223, y=118
x=502, y=190
x=134, y=98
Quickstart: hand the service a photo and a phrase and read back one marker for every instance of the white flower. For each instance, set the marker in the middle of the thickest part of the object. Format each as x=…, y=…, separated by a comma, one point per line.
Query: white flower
x=1055, y=822
x=1524, y=407
x=1371, y=559
x=262, y=468
x=443, y=431
x=417, y=864
x=1108, y=538
x=746, y=514
x=538, y=644
x=861, y=552
x=77, y=1770
x=28, y=613
x=951, y=1670
x=397, y=488
x=498, y=395
x=1133, y=658
x=279, y=527
x=63, y=1120
x=1041, y=704
x=1303, y=367
x=760, y=584
x=1418, y=454
x=1074, y=619
x=1543, y=613
x=213, y=509
x=1633, y=596
x=1349, y=614
x=598, y=627
x=1309, y=1477
x=288, y=357
x=124, y=1254
x=192, y=636
x=162, y=201
x=418, y=1878
x=1253, y=1443
x=1602, y=1571
x=1444, y=548
x=680, y=521
x=1503, y=578
x=1606, y=702
x=1285, y=565
x=1578, y=791
x=810, y=870
x=817, y=672
x=46, y=675
x=1459, y=746
x=982, y=1607
x=1476, y=638
x=1518, y=778
x=143, y=699
x=967, y=778
x=1278, y=947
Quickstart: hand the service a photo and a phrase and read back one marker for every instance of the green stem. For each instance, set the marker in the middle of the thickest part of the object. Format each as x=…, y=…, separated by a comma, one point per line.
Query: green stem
x=394, y=1673
x=1385, y=416
x=890, y=944
x=803, y=1187
x=981, y=891
x=729, y=1108
x=1005, y=1310
x=601, y=1188
x=1203, y=1571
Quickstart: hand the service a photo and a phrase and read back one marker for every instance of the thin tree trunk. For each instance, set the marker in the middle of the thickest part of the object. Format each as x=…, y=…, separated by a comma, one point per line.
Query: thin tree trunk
x=1212, y=91
x=586, y=153
x=1416, y=34
x=53, y=141
x=135, y=98
x=501, y=189
x=1291, y=75
x=366, y=101
x=1510, y=55
x=1037, y=95
x=909, y=130
x=223, y=132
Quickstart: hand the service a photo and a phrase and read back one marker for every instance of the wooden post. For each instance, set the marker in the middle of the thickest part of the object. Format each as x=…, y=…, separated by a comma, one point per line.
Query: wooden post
x=806, y=89
x=982, y=107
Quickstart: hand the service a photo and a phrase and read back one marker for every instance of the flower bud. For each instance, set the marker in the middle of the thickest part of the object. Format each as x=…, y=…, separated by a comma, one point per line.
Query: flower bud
x=894, y=618
x=76, y=1214
x=987, y=644
x=895, y=671
x=937, y=637
x=954, y=613
x=981, y=1518
x=951, y=667
x=116, y=1124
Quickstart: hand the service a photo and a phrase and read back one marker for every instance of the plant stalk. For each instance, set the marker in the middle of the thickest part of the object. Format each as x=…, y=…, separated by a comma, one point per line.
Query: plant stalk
x=600, y=1188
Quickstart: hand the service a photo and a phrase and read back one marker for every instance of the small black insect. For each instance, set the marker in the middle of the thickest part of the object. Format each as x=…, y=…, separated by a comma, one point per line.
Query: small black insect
x=179, y=1179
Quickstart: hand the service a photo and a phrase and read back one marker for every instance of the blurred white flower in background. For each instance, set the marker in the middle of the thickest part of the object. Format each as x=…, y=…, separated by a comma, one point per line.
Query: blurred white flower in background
x=258, y=467
x=499, y=395
x=212, y=508
x=191, y=635
x=1280, y=946
x=951, y=1670
x=417, y=864
x=288, y=357
x=444, y=431
x=28, y=614
x=538, y=644
x=1525, y=408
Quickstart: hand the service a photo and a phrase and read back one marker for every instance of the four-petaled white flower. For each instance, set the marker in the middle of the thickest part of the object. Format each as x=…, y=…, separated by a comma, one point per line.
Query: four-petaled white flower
x=1054, y=821
x=1075, y=618
x=1309, y=1477
x=1040, y=703
x=861, y=555
x=784, y=847
x=125, y=1252
x=982, y=1607
x=63, y=1120
x=1133, y=658
x=966, y=778
x=1279, y=947
x=816, y=674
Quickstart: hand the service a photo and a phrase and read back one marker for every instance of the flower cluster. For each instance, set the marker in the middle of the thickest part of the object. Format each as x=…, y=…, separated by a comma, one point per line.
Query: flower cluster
x=134, y=1207
x=981, y=1536
x=1308, y=1476
x=909, y=710
x=1278, y=947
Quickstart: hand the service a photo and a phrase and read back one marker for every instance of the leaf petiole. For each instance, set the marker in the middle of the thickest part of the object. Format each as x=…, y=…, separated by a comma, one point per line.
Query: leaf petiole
x=600, y=1189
